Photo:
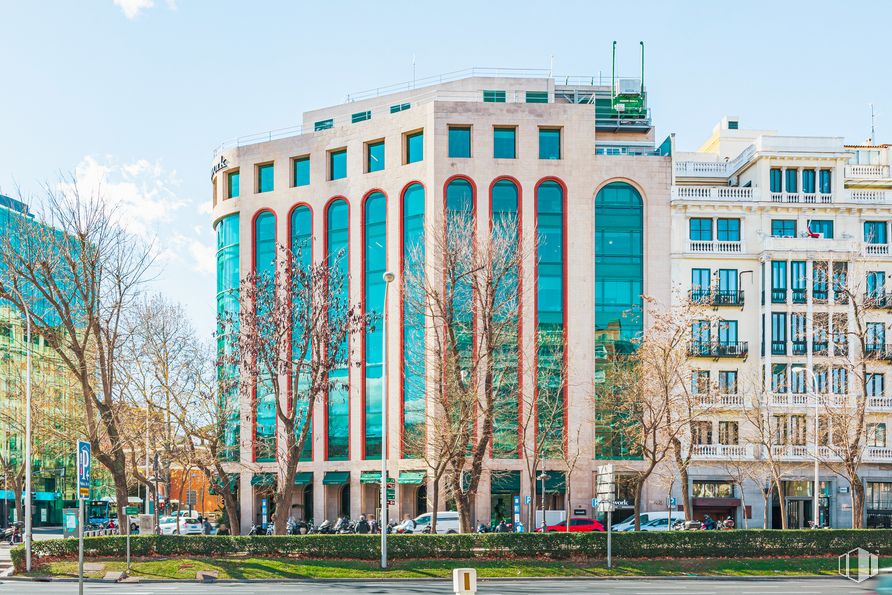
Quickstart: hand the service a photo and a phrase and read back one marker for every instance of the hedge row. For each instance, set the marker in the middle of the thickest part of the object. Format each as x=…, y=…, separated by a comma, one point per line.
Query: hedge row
x=684, y=544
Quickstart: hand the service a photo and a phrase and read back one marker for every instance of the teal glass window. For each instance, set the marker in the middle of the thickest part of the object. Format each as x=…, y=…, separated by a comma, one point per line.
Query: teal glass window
x=374, y=258
x=302, y=249
x=399, y=107
x=701, y=279
x=728, y=280
x=701, y=332
x=265, y=177
x=232, y=184
x=875, y=232
x=504, y=142
x=728, y=382
x=494, y=96
x=876, y=283
x=727, y=332
x=374, y=156
x=323, y=125
x=301, y=171
x=783, y=228
x=774, y=180
x=550, y=312
x=504, y=205
x=824, y=181
x=700, y=229
x=821, y=226
x=537, y=96
x=791, y=182
x=779, y=378
x=337, y=229
x=228, y=282
x=337, y=164
x=414, y=386
x=727, y=230
x=414, y=147
x=808, y=181
x=264, y=395
x=361, y=116
x=459, y=142
x=549, y=143
x=619, y=250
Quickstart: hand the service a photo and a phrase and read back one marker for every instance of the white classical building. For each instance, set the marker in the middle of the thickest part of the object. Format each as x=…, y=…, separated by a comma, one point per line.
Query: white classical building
x=618, y=216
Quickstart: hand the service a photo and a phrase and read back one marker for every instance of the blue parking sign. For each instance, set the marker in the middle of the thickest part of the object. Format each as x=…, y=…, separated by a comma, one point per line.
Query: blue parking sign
x=83, y=469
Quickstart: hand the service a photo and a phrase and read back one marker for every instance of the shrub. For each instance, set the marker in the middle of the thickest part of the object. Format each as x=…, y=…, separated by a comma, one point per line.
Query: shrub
x=676, y=544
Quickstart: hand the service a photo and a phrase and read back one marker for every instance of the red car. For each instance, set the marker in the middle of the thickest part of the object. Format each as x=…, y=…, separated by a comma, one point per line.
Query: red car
x=577, y=525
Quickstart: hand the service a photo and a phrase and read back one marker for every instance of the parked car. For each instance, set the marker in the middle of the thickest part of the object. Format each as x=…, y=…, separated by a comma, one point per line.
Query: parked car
x=577, y=525
x=447, y=522
x=662, y=524
x=646, y=517
x=188, y=526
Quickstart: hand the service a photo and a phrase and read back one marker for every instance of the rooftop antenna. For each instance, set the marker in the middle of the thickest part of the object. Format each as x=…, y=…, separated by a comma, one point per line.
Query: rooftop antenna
x=413, y=71
x=613, y=74
x=642, y=67
x=551, y=66
x=872, y=125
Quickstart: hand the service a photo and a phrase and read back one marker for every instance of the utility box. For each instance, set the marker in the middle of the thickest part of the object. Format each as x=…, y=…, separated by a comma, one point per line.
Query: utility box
x=464, y=581
x=69, y=522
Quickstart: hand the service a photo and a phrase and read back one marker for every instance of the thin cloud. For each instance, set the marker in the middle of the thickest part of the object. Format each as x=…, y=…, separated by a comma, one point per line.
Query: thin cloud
x=132, y=8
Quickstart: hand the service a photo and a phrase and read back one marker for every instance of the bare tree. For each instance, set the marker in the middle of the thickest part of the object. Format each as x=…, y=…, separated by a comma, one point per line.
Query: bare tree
x=79, y=273
x=293, y=332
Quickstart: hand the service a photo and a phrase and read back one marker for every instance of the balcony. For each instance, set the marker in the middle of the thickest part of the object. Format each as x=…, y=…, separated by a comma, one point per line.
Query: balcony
x=717, y=297
x=702, y=169
x=879, y=403
x=878, y=300
x=800, y=296
x=800, y=348
x=810, y=198
x=715, y=193
x=788, y=400
x=880, y=454
x=778, y=296
x=791, y=452
x=714, y=246
x=717, y=349
x=876, y=249
x=867, y=172
x=878, y=351
x=778, y=348
x=870, y=197
x=719, y=401
x=722, y=451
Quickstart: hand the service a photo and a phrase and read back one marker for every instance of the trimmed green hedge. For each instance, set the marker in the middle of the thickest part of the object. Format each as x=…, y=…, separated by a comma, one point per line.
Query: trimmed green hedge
x=676, y=544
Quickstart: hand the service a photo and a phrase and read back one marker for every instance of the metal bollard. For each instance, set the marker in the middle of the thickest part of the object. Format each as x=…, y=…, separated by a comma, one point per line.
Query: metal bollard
x=464, y=581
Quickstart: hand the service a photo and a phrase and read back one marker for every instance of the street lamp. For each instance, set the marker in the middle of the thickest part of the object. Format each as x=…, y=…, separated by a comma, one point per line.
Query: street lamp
x=27, y=495
x=388, y=279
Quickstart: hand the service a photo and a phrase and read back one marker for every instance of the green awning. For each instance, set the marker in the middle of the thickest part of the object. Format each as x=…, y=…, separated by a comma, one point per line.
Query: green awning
x=411, y=477
x=506, y=482
x=214, y=488
x=47, y=496
x=263, y=480
x=336, y=478
x=370, y=477
x=303, y=478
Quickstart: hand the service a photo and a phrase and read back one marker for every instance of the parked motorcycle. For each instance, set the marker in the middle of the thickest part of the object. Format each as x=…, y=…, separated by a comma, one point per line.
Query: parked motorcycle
x=325, y=528
x=344, y=525
x=14, y=533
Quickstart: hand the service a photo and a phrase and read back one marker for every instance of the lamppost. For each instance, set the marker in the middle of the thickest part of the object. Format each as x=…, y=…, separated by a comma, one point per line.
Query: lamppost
x=388, y=279
x=27, y=494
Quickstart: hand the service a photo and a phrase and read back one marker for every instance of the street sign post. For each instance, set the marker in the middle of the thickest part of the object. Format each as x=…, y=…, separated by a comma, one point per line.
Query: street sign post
x=129, y=511
x=391, y=491
x=605, y=488
x=84, y=465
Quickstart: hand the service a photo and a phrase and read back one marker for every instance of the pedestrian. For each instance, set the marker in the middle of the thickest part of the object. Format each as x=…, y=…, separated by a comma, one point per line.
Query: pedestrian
x=222, y=529
x=206, y=527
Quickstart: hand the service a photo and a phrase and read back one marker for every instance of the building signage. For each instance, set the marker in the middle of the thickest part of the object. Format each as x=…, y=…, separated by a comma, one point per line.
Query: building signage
x=222, y=164
x=83, y=469
x=516, y=509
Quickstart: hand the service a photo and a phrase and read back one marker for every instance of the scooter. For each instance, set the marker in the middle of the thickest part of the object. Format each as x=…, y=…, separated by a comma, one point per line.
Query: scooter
x=13, y=533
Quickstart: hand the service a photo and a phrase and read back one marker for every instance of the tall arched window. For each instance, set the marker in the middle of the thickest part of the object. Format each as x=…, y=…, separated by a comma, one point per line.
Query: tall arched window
x=302, y=249
x=228, y=280
x=619, y=250
x=264, y=396
x=460, y=216
x=505, y=229
x=550, y=312
x=412, y=262
x=337, y=219
x=374, y=263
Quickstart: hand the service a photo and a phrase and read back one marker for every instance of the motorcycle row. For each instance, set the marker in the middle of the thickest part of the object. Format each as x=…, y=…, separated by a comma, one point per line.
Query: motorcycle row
x=342, y=526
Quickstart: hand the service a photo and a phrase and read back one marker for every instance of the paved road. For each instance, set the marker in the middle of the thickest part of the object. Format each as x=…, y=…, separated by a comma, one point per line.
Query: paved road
x=828, y=586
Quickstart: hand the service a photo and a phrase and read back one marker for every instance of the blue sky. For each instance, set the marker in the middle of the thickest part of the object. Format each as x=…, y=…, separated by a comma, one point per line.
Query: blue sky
x=136, y=93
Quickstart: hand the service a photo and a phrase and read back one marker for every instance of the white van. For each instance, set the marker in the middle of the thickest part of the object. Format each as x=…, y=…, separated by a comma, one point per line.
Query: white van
x=647, y=517
x=447, y=522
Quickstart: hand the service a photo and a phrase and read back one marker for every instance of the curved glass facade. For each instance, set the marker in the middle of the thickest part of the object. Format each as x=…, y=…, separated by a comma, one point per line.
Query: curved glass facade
x=505, y=222
x=337, y=229
x=413, y=320
x=550, y=315
x=619, y=251
x=228, y=279
x=374, y=263
x=264, y=398
x=302, y=249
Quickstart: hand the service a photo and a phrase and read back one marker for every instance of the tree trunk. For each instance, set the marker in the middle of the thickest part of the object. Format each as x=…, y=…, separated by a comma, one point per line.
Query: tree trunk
x=531, y=508
x=782, y=500
x=857, y=503
x=683, y=474
x=766, y=502
x=463, y=504
x=435, y=503
x=745, y=523
x=568, y=502
x=639, y=484
x=120, y=480
x=19, y=500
